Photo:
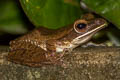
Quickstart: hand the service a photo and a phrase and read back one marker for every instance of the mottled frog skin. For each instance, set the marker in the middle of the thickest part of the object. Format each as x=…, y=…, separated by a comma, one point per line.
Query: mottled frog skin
x=46, y=46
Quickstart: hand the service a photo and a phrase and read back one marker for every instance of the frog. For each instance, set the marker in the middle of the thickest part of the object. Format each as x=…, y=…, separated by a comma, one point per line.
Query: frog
x=44, y=46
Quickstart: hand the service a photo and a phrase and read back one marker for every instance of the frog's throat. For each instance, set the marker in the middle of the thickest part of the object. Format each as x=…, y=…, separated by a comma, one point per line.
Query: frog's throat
x=94, y=30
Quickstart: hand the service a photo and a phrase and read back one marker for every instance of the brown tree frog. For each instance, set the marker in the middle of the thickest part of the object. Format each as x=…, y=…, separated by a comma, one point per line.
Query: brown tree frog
x=46, y=46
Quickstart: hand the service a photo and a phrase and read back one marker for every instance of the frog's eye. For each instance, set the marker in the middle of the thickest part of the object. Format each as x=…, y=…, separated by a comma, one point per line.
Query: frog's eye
x=80, y=26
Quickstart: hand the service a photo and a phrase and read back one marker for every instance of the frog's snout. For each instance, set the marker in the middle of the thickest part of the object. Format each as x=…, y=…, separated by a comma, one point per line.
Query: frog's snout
x=100, y=21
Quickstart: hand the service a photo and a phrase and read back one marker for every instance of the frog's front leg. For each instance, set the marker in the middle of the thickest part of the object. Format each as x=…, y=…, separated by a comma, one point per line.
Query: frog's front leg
x=55, y=54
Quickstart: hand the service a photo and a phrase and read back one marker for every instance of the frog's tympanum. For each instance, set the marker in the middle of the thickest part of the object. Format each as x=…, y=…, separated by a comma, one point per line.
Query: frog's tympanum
x=46, y=46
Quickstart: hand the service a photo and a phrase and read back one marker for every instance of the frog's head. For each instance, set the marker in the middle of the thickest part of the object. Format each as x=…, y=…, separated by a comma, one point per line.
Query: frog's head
x=81, y=31
x=85, y=29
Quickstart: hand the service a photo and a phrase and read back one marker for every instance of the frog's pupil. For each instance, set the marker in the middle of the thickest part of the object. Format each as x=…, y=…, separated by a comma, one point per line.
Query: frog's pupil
x=81, y=26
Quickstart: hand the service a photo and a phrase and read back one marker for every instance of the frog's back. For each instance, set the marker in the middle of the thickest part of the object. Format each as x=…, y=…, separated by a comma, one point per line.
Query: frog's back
x=39, y=36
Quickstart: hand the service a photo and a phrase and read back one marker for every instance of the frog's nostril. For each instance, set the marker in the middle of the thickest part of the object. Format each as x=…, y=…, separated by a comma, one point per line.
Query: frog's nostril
x=99, y=21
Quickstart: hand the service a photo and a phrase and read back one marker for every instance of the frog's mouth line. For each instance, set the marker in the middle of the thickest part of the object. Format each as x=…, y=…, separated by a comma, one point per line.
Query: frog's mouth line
x=94, y=30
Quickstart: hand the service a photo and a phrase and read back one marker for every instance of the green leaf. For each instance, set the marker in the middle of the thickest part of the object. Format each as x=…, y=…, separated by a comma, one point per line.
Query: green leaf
x=11, y=19
x=110, y=9
x=51, y=13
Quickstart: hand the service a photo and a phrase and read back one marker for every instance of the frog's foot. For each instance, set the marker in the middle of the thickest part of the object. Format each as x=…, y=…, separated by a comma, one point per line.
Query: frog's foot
x=55, y=58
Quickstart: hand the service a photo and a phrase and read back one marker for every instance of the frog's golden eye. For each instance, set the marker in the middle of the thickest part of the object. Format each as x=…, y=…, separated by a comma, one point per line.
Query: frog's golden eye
x=80, y=26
